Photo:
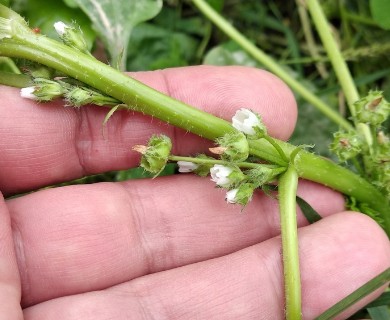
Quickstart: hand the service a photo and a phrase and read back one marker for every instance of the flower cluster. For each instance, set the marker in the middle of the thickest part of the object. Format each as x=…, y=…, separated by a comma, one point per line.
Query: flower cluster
x=233, y=149
x=371, y=111
x=226, y=173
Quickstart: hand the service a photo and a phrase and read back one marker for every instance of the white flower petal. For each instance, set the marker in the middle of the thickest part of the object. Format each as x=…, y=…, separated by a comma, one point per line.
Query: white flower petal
x=60, y=28
x=220, y=175
x=244, y=120
x=231, y=196
x=186, y=166
x=28, y=93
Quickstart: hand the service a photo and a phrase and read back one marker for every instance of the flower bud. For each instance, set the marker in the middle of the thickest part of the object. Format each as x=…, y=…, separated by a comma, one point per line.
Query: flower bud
x=346, y=145
x=155, y=154
x=79, y=96
x=43, y=90
x=233, y=147
x=241, y=195
x=226, y=177
x=186, y=166
x=372, y=109
x=71, y=36
x=249, y=123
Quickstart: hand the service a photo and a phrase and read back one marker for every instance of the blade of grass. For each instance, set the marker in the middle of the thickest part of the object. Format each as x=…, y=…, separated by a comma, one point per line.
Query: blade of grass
x=310, y=214
x=269, y=63
x=355, y=296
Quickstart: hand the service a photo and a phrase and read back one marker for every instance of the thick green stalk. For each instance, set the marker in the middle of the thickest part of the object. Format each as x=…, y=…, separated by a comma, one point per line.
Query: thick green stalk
x=339, y=65
x=334, y=53
x=139, y=97
x=288, y=184
x=269, y=63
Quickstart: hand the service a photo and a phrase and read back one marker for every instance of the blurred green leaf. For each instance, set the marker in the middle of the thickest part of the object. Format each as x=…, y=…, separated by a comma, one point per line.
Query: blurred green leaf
x=115, y=20
x=4, y=2
x=379, y=313
x=228, y=54
x=71, y=3
x=380, y=10
x=153, y=47
x=44, y=13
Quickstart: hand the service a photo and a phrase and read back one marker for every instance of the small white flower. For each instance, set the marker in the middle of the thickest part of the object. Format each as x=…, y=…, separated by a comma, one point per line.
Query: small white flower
x=231, y=196
x=60, y=28
x=28, y=93
x=220, y=175
x=244, y=120
x=186, y=166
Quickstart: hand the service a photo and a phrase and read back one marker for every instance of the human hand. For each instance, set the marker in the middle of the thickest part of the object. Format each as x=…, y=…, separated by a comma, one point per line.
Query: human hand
x=168, y=248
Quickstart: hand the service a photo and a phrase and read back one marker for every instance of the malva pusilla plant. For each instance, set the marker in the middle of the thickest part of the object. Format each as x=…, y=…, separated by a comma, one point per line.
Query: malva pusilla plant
x=245, y=158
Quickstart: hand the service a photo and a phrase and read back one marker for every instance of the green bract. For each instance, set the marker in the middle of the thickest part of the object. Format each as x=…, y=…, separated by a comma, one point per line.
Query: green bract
x=372, y=109
x=47, y=90
x=156, y=154
x=346, y=145
x=234, y=146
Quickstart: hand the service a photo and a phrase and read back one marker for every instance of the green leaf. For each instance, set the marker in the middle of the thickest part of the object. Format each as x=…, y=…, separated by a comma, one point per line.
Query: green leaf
x=310, y=214
x=115, y=20
x=379, y=313
x=71, y=3
x=154, y=47
x=380, y=10
x=228, y=54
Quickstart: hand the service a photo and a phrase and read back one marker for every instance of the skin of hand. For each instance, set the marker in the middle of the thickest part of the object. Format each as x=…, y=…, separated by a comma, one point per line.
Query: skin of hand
x=168, y=248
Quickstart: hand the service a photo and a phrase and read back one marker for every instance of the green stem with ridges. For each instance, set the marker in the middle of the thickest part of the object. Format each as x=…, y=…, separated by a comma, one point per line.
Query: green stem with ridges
x=269, y=63
x=139, y=97
x=248, y=165
x=339, y=65
x=288, y=184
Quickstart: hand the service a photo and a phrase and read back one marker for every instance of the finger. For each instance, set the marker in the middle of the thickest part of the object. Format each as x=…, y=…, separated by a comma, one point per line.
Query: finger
x=45, y=144
x=247, y=284
x=90, y=237
x=10, y=290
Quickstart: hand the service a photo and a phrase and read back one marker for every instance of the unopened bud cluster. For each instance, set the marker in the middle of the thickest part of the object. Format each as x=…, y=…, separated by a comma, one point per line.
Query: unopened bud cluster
x=76, y=94
x=372, y=111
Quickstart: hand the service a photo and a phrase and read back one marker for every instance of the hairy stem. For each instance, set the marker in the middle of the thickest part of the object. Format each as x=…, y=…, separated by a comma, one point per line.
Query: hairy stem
x=139, y=97
x=288, y=184
x=339, y=65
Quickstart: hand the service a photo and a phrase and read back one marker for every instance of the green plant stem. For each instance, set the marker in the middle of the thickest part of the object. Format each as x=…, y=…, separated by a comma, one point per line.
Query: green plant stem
x=339, y=65
x=139, y=97
x=15, y=80
x=288, y=184
x=334, y=53
x=269, y=63
x=277, y=148
x=355, y=296
x=248, y=165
